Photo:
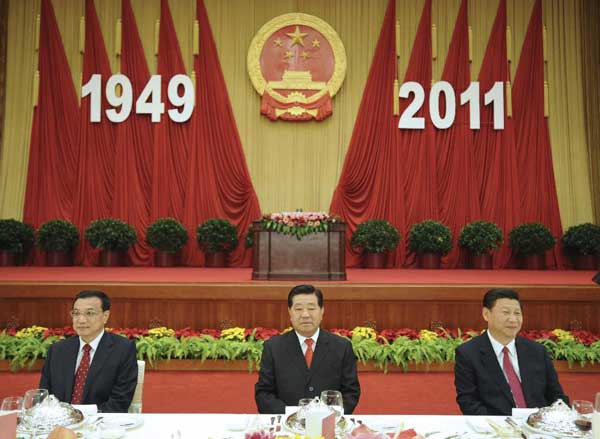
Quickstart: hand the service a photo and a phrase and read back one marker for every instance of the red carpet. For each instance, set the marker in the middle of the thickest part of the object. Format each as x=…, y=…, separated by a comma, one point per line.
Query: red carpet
x=233, y=392
x=243, y=275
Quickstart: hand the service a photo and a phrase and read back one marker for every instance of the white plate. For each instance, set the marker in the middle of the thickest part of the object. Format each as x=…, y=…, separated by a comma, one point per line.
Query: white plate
x=126, y=422
x=548, y=434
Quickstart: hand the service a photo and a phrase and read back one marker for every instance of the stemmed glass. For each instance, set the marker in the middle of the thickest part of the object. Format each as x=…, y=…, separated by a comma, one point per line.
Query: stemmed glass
x=34, y=397
x=584, y=411
x=333, y=399
x=12, y=404
x=302, y=404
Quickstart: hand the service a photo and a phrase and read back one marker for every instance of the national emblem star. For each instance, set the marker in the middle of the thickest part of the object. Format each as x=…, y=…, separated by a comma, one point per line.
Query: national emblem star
x=297, y=36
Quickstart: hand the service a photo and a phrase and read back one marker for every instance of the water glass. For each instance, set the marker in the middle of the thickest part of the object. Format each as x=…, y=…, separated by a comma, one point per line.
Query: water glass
x=584, y=409
x=33, y=397
x=596, y=418
x=12, y=404
x=302, y=404
x=333, y=399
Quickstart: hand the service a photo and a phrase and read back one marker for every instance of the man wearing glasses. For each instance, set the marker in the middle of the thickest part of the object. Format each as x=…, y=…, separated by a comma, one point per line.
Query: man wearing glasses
x=95, y=368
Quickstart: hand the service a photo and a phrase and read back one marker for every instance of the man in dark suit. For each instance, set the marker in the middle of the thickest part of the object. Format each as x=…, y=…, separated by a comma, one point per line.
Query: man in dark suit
x=96, y=367
x=304, y=362
x=497, y=370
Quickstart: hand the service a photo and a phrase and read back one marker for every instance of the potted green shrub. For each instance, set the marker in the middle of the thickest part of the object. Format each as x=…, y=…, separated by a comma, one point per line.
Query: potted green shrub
x=166, y=236
x=16, y=240
x=531, y=241
x=430, y=240
x=375, y=238
x=216, y=237
x=113, y=237
x=582, y=243
x=479, y=238
x=58, y=239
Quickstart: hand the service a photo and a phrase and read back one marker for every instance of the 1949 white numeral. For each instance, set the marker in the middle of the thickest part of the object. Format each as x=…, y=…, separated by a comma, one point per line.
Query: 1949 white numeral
x=408, y=120
x=148, y=102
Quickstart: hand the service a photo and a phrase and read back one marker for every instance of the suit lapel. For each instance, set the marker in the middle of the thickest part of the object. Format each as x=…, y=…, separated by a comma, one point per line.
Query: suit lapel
x=100, y=356
x=525, y=371
x=490, y=363
x=321, y=352
x=71, y=362
x=292, y=346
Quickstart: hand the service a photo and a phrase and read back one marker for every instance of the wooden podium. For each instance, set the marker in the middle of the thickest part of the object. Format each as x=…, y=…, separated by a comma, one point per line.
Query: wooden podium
x=317, y=256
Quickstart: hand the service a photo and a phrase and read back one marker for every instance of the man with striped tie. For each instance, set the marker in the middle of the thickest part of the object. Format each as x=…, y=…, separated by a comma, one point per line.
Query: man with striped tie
x=497, y=371
x=304, y=362
x=96, y=367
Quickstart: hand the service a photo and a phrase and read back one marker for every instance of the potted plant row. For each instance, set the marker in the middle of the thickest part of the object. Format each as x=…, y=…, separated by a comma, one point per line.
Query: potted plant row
x=430, y=240
x=582, y=244
x=217, y=237
x=113, y=237
x=58, y=239
x=375, y=238
x=531, y=241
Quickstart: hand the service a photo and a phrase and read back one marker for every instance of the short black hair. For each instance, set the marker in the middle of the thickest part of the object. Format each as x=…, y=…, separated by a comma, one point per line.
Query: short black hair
x=489, y=299
x=305, y=289
x=94, y=293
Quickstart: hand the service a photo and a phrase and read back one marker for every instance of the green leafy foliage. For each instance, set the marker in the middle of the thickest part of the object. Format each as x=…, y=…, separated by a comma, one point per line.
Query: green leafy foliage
x=217, y=235
x=249, y=239
x=583, y=239
x=110, y=234
x=167, y=235
x=375, y=236
x=16, y=236
x=430, y=237
x=57, y=236
x=480, y=237
x=531, y=239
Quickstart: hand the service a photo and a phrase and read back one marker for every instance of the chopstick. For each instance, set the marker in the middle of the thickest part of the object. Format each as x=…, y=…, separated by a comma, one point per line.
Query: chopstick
x=514, y=425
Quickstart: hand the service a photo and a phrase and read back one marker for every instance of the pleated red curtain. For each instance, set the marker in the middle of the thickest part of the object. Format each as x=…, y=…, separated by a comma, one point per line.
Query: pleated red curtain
x=495, y=151
x=372, y=181
x=539, y=202
x=417, y=147
x=169, y=178
x=53, y=159
x=95, y=178
x=457, y=195
x=219, y=183
x=133, y=164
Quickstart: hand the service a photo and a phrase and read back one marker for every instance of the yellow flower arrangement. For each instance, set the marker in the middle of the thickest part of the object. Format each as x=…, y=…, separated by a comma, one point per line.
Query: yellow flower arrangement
x=364, y=332
x=427, y=335
x=563, y=335
x=161, y=331
x=234, y=334
x=32, y=331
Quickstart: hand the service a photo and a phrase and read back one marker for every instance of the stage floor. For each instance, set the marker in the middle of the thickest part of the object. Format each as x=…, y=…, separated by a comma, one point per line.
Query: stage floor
x=211, y=298
x=196, y=275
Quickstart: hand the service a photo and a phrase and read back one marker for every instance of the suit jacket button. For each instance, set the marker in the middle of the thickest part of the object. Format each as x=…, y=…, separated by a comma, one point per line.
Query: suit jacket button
x=311, y=389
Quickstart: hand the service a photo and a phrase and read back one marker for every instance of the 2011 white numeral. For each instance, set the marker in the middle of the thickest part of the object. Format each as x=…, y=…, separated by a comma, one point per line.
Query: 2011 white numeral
x=408, y=120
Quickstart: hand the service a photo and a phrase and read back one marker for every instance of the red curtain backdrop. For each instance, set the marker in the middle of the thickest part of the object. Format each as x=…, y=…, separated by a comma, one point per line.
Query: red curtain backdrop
x=94, y=189
x=52, y=173
x=219, y=181
x=539, y=202
x=457, y=195
x=169, y=178
x=371, y=185
x=495, y=151
x=417, y=147
x=133, y=165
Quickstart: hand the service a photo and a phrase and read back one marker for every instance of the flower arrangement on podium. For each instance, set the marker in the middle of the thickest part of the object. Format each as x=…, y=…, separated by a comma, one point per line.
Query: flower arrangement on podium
x=298, y=224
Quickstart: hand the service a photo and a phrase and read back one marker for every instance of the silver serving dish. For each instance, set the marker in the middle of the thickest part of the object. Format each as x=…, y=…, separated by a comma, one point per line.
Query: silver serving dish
x=298, y=426
x=557, y=420
x=47, y=415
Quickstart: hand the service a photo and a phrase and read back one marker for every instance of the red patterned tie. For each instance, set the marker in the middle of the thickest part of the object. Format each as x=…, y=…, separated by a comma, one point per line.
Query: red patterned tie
x=309, y=351
x=513, y=380
x=81, y=375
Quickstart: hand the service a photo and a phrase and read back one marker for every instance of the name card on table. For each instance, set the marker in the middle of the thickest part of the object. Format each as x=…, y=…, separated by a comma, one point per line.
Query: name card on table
x=8, y=426
x=328, y=428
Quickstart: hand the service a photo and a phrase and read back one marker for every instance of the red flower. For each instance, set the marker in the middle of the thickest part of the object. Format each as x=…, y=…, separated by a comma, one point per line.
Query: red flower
x=538, y=334
x=262, y=333
x=585, y=337
x=66, y=331
x=342, y=332
x=215, y=333
x=186, y=332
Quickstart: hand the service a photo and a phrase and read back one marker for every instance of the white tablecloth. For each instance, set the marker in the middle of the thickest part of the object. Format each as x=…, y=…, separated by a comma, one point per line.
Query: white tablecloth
x=223, y=426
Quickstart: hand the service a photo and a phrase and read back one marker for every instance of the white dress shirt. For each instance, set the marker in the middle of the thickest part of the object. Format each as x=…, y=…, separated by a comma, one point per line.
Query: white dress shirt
x=302, y=340
x=512, y=349
x=93, y=344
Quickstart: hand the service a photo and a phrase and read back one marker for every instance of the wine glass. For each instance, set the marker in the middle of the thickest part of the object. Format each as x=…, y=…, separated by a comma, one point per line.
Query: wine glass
x=333, y=399
x=302, y=404
x=34, y=397
x=584, y=410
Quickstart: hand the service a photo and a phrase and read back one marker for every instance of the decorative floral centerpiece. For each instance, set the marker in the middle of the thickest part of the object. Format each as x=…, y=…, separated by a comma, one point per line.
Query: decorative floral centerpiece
x=298, y=224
